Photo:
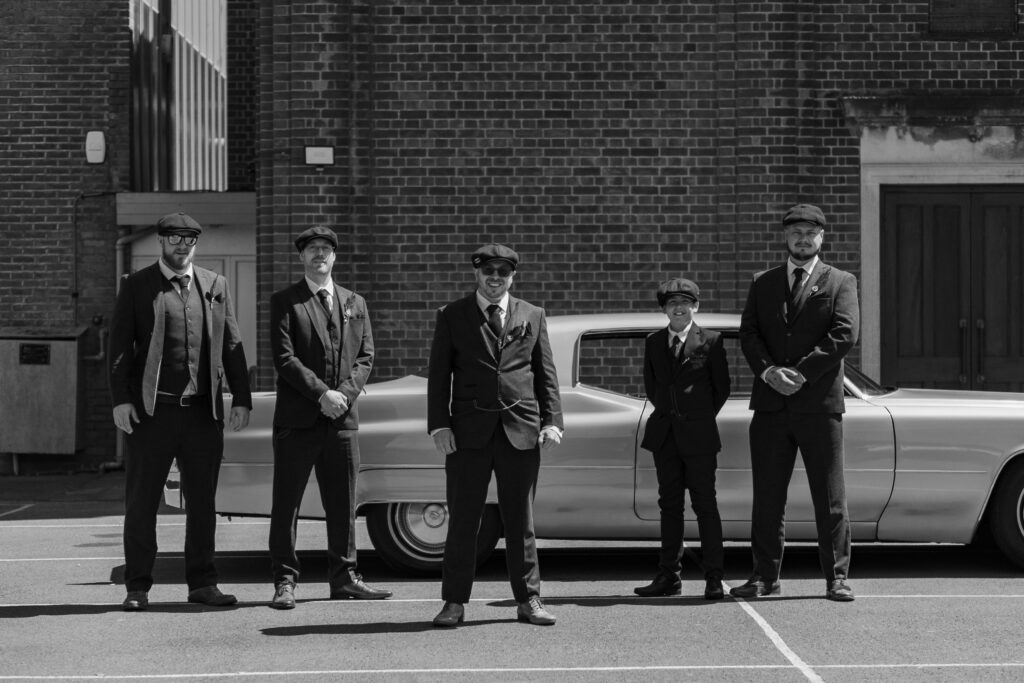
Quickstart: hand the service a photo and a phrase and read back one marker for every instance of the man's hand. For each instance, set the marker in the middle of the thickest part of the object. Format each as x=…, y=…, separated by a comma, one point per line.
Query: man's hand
x=444, y=441
x=124, y=416
x=239, y=418
x=786, y=381
x=549, y=438
x=333, y=404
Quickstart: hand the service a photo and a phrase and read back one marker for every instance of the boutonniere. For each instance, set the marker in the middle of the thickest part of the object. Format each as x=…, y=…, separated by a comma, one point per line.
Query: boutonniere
x=348, y=307
x=520, y=331
x=211, y=297
x=814, y=289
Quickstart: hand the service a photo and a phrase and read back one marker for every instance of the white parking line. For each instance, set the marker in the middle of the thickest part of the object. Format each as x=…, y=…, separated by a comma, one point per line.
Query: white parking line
x=521, y=670
x=11, y=512
x=778, y=642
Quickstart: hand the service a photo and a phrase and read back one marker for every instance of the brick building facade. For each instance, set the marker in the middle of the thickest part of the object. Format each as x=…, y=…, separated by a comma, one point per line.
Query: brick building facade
x=613, y=143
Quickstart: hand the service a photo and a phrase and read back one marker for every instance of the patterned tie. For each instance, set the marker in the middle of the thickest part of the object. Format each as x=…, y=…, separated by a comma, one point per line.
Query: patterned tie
x=325, y=301
x=494, y=319
x=182, y=281
x=794, y=292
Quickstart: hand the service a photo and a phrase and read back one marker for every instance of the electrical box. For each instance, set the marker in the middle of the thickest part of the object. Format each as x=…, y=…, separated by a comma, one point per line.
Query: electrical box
x=42, y=393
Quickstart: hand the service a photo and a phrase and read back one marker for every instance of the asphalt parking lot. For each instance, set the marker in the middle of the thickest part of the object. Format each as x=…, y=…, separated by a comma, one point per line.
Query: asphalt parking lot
x=923, y=613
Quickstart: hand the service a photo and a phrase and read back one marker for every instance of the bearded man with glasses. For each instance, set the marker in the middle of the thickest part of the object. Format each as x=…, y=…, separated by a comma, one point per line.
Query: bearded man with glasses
x=492, y=404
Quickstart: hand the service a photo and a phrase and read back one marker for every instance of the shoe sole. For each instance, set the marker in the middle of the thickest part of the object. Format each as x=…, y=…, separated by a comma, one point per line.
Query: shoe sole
x=445, y=624
x=663, y=594
x=226, y=603
x=839, y=598
x=283, y=605
x=527, y=620
x=775, y=593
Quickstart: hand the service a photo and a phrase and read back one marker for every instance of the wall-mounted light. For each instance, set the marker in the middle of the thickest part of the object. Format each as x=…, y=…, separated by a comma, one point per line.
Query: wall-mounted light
x=95, y=147
x=319, y=157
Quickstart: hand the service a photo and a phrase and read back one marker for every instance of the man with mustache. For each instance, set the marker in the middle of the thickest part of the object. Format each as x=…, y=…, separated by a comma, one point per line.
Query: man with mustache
x=173, y=342
x=322, y=346
x=799, y=321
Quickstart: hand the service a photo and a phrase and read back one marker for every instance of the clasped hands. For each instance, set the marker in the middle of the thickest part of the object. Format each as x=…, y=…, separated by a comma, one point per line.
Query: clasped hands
x=786, y=381
x=333, y=404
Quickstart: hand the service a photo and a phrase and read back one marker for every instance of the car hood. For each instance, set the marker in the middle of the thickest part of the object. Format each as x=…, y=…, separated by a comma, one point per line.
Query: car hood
x=952, y=397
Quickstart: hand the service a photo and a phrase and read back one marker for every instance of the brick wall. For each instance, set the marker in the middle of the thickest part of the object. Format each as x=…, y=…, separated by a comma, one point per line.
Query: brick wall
x=242, y=89
x=65, y=72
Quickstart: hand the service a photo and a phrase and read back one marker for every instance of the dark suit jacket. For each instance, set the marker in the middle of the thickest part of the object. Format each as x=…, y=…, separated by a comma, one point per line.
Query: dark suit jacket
x=823, y=331
x=472, y=374
x=137, y=340
x=298, y=342
x=687, y=392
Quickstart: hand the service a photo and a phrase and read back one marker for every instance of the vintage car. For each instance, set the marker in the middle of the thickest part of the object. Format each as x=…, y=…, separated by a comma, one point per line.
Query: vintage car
x=921, y=465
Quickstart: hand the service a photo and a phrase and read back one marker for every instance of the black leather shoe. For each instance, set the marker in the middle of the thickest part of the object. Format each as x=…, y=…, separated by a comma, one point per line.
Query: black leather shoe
x=663, y=584
x=358, y=590
x=451, y=615
x=713, y=588
x=756, y=587
x=284, y=596
x=839, y=591
x=135, y=601
x=211, y=595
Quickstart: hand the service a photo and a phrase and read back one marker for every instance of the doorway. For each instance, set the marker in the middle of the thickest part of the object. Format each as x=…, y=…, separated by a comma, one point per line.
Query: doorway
x=952, y=292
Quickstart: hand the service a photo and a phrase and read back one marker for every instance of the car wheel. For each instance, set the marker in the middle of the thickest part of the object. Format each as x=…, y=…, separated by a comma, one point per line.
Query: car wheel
x=1007, y=518
x=410, y=536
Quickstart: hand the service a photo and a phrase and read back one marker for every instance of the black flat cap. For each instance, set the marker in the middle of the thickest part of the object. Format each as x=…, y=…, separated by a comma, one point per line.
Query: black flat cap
x=678, y=286
x=492, y=252
x=804, y=213
x=177, y=223
x=317, y=231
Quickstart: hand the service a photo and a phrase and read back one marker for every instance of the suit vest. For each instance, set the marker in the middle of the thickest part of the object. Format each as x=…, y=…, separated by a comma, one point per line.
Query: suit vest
x=332, y=353
x=186, y=359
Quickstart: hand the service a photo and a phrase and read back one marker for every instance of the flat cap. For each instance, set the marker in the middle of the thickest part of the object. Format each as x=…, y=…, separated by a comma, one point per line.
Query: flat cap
x=177, y=222
x=804, y=213
x=317, y=231
x=678, y=286
x=491, y=252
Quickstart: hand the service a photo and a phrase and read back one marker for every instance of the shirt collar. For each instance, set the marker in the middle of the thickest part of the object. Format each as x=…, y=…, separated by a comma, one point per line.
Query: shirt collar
x=484, y=303
x=314, y=287
x=808, y=267
x=168, y=273
x=682, y=334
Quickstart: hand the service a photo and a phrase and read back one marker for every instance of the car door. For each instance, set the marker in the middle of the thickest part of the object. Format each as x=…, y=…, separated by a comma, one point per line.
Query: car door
x=869, y=464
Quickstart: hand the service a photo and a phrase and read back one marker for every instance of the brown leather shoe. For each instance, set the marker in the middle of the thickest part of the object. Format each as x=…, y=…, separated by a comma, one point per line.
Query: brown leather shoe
x=284, y=596
x=451, y=615
x=211, y=595
x=533, y=611
x=839, y=591
x=358, y=590
x=136, y=601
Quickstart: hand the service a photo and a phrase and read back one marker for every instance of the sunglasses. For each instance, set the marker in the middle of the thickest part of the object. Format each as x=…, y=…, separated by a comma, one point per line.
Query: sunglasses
x=500, y=272
x=190, y=240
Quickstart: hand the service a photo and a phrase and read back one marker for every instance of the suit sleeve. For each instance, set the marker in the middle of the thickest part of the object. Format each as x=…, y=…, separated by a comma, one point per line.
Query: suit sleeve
x=720, y=381
x=121, y=347
x=841, y=335
x=233, y=355
x=362, y=363
x=439, y=376
x=282, y=348
x=545, y=379
x=751, y=340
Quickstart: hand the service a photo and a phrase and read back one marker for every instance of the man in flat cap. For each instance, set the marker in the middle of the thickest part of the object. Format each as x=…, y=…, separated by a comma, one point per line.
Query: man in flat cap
x=322, y=346
x=799, y=322
x=173, y=342
x=492, y=404
x=686, y=376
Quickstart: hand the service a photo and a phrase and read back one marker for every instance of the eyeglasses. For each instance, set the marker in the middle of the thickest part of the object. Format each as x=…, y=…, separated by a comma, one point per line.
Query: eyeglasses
x=190, y=240
x=500, y=272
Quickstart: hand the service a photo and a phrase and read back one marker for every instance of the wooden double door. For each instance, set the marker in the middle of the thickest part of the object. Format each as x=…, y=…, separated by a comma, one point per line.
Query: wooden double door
x=952, y=292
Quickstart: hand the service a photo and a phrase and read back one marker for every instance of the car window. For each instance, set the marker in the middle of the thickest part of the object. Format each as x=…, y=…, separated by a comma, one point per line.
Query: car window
x=613, y=361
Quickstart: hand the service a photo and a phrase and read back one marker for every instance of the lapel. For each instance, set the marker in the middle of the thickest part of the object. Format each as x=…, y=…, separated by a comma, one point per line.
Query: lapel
x=153, y=282
x=693, y=340
x=814, y=283
x=311, y=304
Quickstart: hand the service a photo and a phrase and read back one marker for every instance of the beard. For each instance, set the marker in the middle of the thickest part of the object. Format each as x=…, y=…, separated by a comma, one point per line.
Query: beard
x=804, y=254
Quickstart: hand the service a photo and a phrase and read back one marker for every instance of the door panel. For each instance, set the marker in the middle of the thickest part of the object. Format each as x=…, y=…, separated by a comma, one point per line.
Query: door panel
x=952, y=292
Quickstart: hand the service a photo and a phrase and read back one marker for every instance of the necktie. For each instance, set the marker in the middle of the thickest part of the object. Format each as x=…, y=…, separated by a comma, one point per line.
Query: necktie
x=494, y=319
x=676, y=345
x=325, y=301
x=794, y=292
x=182, y=282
